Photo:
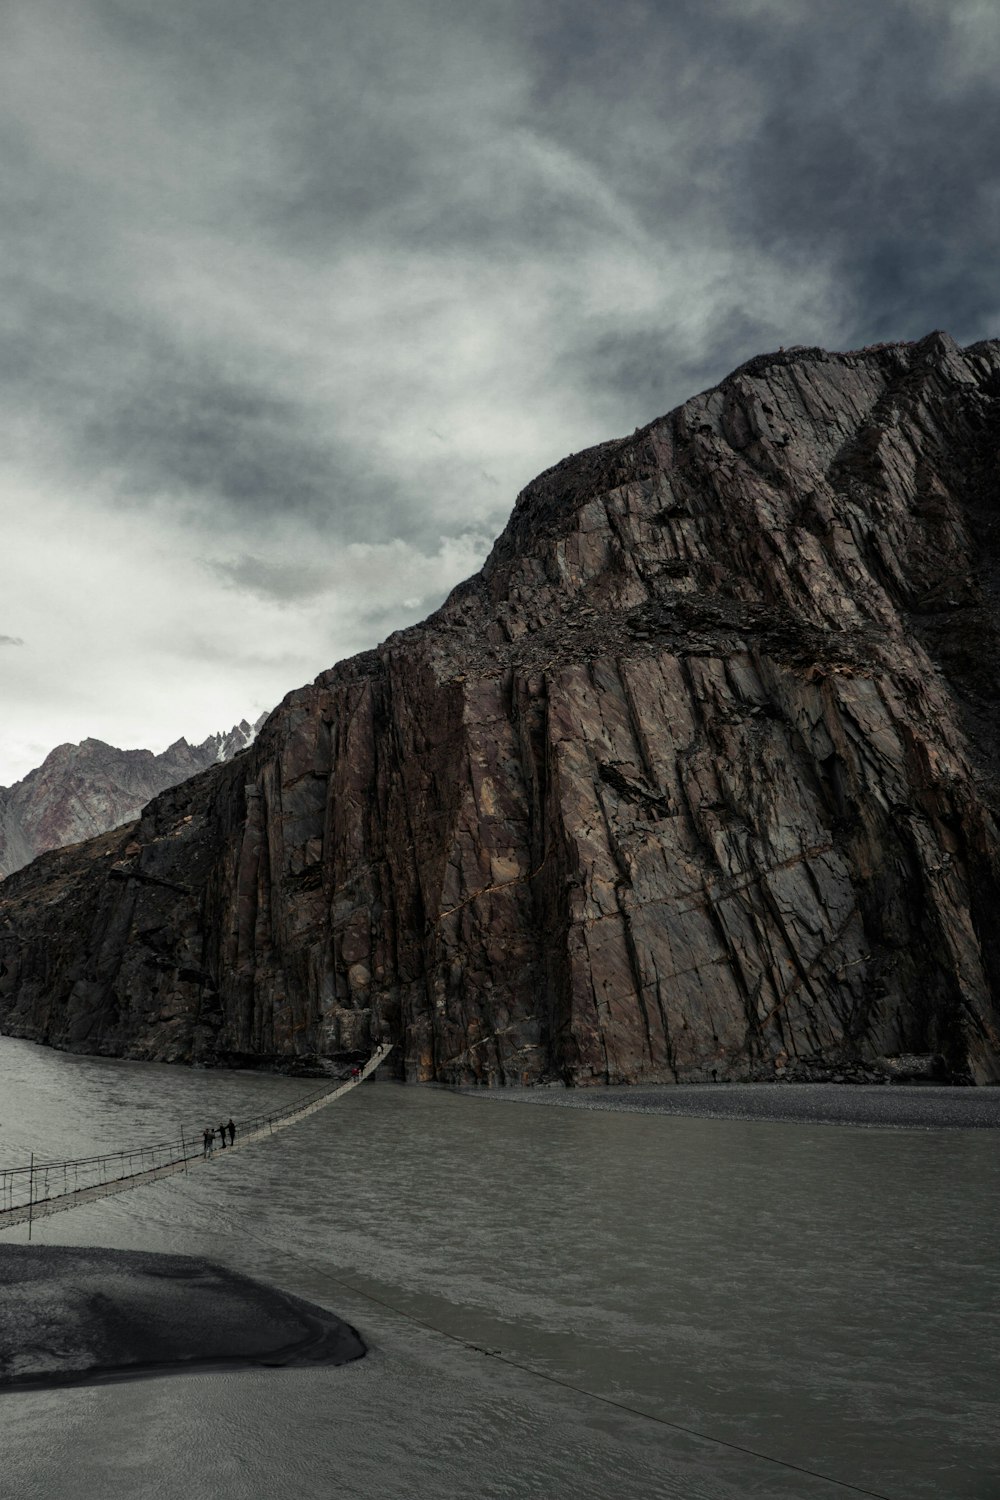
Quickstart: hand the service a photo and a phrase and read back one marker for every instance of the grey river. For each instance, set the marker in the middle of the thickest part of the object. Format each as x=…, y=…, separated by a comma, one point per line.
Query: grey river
x=825, y=1296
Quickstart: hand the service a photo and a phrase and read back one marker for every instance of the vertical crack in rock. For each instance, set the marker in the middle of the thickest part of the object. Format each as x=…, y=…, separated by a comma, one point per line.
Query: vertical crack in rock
x=698, y=778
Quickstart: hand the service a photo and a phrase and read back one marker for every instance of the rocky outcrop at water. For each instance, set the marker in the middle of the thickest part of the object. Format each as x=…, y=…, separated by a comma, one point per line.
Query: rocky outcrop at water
x=696, y=779
x=81, y=790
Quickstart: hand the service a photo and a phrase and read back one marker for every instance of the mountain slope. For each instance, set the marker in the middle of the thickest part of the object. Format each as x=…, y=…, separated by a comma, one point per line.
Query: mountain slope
x=82, y=790
x=695, y=779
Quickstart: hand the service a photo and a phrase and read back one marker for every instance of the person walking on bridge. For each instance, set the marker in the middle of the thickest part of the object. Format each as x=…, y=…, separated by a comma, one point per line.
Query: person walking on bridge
x=207, y=1137
x=232, y=1131
x=222, y=1134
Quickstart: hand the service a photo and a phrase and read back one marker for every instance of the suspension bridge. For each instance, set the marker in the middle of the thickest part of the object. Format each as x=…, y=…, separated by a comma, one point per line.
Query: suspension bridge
x=50, y=1187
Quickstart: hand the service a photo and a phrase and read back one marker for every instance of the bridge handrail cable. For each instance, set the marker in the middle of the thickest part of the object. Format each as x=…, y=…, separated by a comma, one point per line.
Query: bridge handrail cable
x=45, y=1180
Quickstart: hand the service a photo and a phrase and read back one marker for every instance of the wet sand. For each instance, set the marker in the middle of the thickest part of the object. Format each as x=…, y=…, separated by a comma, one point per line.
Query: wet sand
x=73, y=1315
x=899, y=1106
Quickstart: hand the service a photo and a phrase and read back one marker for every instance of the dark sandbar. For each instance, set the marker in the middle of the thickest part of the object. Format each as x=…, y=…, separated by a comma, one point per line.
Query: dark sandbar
x=79, y=1315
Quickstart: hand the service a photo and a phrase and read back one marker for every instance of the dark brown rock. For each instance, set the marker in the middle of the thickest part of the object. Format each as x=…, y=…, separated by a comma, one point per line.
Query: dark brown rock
x=696, y=779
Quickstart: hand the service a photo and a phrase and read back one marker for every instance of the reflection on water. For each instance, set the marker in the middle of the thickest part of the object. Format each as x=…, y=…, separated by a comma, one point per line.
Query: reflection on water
x=825, y=1296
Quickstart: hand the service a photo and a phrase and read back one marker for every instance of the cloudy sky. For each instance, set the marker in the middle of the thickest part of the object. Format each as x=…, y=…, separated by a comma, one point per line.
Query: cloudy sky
x=298, y=295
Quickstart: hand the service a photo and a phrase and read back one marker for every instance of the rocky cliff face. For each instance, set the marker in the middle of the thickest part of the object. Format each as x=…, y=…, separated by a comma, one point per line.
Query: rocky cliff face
x=81, y=790
x=696, y=779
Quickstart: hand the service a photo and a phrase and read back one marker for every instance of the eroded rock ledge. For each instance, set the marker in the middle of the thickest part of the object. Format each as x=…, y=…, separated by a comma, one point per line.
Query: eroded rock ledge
x=695, y=780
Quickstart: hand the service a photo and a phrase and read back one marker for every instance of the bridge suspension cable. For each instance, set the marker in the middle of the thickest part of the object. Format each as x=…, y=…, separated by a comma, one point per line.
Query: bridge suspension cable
x=50, y=1187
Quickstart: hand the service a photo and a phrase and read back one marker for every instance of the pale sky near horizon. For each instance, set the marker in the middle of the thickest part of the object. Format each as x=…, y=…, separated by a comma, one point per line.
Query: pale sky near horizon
x=298, y=296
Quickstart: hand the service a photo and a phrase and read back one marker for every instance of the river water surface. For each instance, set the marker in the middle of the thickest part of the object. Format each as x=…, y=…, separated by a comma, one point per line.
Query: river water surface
x=818, y=1306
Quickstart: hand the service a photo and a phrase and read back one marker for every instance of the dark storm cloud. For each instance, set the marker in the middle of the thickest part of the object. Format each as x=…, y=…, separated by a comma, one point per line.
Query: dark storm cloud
x=150, y=416
x=180, y=325
x=838, y=129
x=884, y=156
x=294, y=298
x=271, y=579
x=861, y=138
x=197, y=431
x=830, y=138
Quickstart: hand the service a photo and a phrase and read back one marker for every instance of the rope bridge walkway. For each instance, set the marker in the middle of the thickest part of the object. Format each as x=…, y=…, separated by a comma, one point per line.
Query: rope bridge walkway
x=50, y=1187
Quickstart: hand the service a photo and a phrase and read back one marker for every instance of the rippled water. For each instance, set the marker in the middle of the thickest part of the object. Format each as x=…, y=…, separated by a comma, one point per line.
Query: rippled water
x=823, y=1296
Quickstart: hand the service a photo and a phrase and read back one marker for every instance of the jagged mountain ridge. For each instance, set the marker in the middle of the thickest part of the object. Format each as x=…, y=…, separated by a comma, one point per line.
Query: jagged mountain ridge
x=82, y=790
x=696, y=779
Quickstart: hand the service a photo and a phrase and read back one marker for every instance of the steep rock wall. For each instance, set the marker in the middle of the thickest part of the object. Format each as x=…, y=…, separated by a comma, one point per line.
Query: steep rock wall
x=695, y=780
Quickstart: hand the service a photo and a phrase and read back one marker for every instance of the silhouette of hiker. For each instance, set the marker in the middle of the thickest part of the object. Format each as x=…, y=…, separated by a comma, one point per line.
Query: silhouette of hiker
x=207, y=1137
x=222, y=1134
x=232, y=1131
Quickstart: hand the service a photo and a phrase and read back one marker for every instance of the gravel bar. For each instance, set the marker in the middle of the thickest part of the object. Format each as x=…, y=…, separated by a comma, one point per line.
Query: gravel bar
x=80, y=1315
x=895, y=1106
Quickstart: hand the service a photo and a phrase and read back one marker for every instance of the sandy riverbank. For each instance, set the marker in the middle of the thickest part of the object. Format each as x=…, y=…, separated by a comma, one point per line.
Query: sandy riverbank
x=901, y=1106
x=71, y=1315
